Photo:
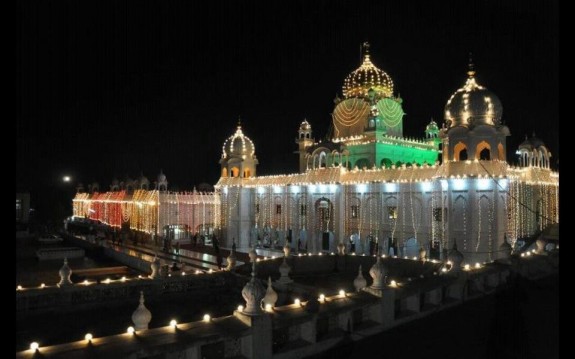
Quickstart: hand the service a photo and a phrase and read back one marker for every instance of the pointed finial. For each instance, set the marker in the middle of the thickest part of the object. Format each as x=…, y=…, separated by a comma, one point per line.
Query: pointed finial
x=454, y=244
x=141, y=297
x=471, y=71
x=239, y=122
x=366, y=47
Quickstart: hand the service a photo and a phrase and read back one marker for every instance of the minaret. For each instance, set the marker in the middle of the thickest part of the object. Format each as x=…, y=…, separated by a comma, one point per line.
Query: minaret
x=303, y=141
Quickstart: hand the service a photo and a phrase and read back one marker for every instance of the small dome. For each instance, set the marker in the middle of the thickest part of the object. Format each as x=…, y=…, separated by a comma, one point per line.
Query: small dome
x=238, y=145
x=253, y=293
x=526, y=144
x=143, y=179
x=536, y=142
x=472, y=105
x=532, y=143
x=271, y=296
x=378, y=273
x=161, y=176
x=367, y=77
x=305, y=126
x=65, y=272
x=141, y=316
x=432, y=127
x=115, y=182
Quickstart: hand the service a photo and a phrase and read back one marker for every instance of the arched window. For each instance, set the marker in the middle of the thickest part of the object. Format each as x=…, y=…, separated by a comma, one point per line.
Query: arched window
x=224, y=172
x=247, y=173
x=460, y=152
x=485, y=155
x=235, y=172
x=361, y=163
x=322, y=160
x=386, y=162
x=483, y=151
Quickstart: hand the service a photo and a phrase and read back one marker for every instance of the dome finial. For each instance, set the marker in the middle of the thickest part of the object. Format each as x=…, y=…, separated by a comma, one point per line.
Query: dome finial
x=366, y=48
x=471, y=71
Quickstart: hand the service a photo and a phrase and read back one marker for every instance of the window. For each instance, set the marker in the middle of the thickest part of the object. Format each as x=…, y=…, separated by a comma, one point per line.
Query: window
x=278, y=209
x=354, y=211
x=439, y=213
x=392, y=212
x=257, y=208
x=303, y=210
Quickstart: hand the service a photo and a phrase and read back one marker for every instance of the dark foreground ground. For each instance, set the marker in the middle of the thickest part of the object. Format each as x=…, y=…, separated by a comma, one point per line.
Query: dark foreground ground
x=519, y=322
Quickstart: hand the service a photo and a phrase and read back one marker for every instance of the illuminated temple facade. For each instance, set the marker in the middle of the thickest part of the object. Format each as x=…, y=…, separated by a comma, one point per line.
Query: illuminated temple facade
x=368, y=183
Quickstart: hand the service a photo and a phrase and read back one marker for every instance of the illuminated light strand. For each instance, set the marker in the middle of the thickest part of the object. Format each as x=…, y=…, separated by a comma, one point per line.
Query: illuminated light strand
x=478, y=223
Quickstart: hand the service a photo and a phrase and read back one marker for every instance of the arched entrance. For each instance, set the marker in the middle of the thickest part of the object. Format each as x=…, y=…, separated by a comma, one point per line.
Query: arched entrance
x=324, y=222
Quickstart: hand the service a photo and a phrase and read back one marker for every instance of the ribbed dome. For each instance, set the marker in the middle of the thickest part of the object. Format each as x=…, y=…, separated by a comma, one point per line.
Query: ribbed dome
x=238, y=145
x=526, y=144
x=366, y=77
x=472, y=105
x=432, y=127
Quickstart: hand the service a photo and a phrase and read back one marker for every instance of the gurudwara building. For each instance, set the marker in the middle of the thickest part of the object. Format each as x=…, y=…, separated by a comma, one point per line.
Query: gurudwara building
x=368, y=185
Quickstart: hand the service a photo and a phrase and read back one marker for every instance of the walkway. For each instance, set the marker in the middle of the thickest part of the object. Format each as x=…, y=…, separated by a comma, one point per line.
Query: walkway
x=202, y=258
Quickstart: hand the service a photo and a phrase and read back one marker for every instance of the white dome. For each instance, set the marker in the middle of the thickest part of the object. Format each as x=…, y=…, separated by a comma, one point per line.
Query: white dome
x=141, y=316
x=472, y=105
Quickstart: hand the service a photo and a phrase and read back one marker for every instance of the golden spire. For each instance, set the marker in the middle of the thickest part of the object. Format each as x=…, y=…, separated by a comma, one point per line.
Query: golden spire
x=366, y=48
x=471, y=71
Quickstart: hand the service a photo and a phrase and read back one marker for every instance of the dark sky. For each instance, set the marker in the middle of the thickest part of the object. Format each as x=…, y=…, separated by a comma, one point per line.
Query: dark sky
x=109, y=88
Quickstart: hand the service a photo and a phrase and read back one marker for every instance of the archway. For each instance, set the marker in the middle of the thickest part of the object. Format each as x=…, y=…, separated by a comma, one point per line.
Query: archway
x=361, y=163
x=386, y=162
x=247, y=173
x=483, y=151
x=224, y=172
x=324, y=214
x=460, y=152
x=322, y=160
x=235, y=172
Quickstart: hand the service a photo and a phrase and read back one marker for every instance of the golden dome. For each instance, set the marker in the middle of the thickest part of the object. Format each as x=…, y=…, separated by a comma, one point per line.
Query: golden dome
x=473, y=105
x=238, y=145
x=366, y=77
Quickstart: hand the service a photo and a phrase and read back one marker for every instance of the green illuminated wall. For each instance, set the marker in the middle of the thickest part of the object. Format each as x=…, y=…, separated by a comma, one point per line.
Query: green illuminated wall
x=384, y=154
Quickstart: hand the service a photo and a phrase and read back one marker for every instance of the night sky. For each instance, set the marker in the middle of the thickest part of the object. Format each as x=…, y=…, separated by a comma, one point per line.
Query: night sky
x=115, y=88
